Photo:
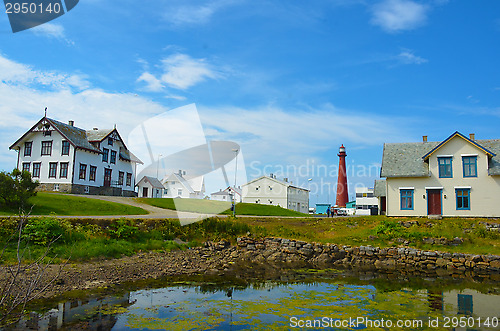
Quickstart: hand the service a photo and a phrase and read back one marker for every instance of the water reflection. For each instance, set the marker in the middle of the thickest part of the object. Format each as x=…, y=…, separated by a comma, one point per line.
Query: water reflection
x=267, y=305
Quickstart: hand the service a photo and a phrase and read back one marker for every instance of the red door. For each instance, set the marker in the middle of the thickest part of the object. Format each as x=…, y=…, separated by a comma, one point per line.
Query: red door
x=107, y=177
x=434, y=202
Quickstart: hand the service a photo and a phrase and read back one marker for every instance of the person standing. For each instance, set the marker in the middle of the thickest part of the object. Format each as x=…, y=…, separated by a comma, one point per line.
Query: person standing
x=328, y=211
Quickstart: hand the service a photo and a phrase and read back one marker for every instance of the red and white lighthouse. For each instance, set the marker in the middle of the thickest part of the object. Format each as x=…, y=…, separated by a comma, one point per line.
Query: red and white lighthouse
x=342, y=195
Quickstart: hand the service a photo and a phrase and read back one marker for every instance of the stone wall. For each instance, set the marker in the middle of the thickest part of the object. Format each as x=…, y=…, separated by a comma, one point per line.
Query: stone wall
x=410, y=260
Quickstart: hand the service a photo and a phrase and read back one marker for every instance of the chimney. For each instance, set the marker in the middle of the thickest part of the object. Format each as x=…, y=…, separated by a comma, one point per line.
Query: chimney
x=71, y=123
x=180, y=172
x=424, y=139
x=472, y=136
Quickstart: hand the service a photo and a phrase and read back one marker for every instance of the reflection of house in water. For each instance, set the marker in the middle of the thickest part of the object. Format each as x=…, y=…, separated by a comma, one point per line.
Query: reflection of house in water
x=76, y=311
x=465, y=302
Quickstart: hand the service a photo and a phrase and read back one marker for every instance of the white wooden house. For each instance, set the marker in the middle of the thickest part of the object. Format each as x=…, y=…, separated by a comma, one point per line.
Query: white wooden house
x=65, y=158
x=269, y=190
x=149, y=187
x=459, y=176
x=178, y=185
x=227, y=194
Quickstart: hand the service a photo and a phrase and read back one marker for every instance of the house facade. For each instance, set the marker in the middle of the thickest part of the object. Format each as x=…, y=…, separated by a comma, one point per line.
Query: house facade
x=149, y=187
x=68, y=159
x=178, y=185
x=227, y=194
x=366, y=202
x=459, y=176
x=268, y=190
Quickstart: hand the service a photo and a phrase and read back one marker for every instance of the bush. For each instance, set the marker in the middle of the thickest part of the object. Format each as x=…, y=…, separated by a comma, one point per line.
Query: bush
x=16, y=188
x=123, y=229
x=42, y=231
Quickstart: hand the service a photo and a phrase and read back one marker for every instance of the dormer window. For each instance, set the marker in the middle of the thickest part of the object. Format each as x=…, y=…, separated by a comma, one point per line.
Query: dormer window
x=445, y=168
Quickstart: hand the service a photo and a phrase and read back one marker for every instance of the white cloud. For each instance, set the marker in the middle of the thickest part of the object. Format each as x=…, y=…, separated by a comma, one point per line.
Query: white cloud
x=182, y=71
x=179, y=71
x=271, y=134
x=153, y=84
x=25, y=92
x=186, y=15
x=16, y=73
x=407, y=57
x=51, y=30
x=399, y=15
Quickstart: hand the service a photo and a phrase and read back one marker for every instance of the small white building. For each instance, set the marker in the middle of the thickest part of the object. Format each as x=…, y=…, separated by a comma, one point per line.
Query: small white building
x=150, y=187
x=178, y=185
x=366, y=201
x=227, y=194
x=268, y=190
x=65, y=158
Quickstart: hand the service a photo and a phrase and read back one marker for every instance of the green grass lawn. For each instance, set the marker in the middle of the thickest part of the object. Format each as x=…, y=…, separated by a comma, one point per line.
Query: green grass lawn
x=68, y=205
x=219, y=207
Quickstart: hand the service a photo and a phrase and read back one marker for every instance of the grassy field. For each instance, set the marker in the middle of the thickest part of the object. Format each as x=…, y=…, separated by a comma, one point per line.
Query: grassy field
x=63, y=204
x=219, y=207
x=85, y=239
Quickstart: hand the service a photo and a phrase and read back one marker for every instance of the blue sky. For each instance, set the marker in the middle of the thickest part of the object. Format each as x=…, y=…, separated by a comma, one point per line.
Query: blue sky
x=290, y=81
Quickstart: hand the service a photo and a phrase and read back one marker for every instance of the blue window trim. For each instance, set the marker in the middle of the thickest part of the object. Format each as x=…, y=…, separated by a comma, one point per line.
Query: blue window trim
x=464, y=158
x=463, y=197
x=441, y=174
x=406, y=194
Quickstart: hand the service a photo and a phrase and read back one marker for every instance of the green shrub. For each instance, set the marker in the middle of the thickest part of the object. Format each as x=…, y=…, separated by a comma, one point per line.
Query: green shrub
x=123, y=229
x=42, y=231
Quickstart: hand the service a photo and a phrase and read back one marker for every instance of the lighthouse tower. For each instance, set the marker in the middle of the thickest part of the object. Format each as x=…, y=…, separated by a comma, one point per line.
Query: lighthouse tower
x=342, y=196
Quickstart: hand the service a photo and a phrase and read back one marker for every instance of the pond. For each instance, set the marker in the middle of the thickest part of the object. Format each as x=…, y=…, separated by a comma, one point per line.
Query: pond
x=313, y=300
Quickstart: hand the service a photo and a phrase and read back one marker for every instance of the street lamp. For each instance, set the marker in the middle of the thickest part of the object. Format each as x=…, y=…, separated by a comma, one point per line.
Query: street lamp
x=158, y=165
x=235, y=150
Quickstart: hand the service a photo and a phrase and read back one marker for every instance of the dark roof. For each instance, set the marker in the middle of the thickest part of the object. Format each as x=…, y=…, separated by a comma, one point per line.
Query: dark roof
x=98, y=135
x=80, y=138
x=405, y=159
x=409, y=159
x=153, y=181
x=76, y=136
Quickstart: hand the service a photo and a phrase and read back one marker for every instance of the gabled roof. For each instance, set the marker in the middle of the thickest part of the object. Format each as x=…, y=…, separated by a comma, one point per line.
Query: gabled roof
x=405, y=159
x=101, y=134
x=196, y=183
x=409, y=159
x=177, y=178
x=457, y=134
x=76, y=136
x=153, y=181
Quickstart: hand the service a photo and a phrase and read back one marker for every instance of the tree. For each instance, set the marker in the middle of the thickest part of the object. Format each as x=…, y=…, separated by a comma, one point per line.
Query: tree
x=26, y=279
x=16, y=188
